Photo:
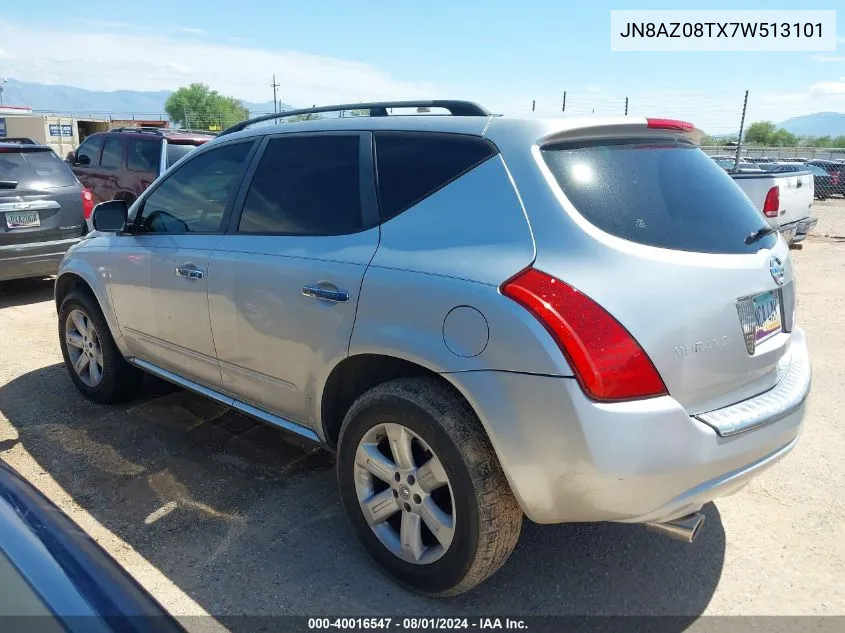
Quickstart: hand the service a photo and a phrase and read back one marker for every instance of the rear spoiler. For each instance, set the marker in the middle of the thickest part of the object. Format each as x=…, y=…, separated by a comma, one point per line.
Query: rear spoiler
x=604, y=129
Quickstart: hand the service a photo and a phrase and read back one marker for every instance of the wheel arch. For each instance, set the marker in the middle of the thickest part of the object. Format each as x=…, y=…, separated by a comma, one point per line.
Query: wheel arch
x=354, y=375
x=77, y=275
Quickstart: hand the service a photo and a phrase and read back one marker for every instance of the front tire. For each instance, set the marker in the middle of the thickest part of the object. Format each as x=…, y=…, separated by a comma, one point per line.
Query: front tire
x=423, y=488
x=93, y=361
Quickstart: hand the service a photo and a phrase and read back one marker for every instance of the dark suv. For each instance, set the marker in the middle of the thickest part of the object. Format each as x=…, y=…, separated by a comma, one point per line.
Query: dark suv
x=43, y=209
x=121, y=164
x=837, y=175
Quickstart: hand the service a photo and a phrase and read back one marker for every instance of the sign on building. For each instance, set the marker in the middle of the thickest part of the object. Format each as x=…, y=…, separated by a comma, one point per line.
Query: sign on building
x=61, y=130
x=2, y=127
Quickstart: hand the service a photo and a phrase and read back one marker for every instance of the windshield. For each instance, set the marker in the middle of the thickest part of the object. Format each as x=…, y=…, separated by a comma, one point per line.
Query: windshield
x=665, y=194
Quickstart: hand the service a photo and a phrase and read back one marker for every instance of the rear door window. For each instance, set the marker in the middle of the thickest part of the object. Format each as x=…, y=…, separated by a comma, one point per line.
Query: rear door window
x=40, y=169
x=657, y=193
x=413, y=165
x=306, y=185
x=143, y=155
x=112, y=152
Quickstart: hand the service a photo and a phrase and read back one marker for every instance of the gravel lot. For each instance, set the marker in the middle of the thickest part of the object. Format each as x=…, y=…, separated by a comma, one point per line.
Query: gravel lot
x=215, y=513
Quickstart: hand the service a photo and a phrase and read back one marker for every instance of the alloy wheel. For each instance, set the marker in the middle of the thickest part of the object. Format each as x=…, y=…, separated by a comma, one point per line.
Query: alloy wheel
x=83, y=347
x=404, y=493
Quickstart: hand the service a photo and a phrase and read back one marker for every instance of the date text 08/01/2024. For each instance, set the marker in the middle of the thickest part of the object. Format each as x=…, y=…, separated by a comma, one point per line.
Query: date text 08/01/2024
x=417, y=623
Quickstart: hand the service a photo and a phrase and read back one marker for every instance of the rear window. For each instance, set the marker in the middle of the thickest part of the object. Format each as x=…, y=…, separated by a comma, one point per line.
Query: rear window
x=177, y=151
x=665, y=194
x=40, y=169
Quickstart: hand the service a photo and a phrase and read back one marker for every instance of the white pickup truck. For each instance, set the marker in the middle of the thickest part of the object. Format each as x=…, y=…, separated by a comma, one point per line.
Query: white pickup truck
x=783, y=197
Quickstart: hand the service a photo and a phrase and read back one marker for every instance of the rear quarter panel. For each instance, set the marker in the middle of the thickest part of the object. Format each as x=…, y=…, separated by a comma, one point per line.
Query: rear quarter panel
x=454, y=249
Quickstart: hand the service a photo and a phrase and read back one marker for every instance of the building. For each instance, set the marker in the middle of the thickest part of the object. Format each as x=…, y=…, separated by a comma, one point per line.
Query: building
x=61, y=132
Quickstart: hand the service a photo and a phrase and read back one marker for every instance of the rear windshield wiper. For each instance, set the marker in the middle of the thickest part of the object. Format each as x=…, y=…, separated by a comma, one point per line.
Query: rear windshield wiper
x=759, y=234
x=8, y=184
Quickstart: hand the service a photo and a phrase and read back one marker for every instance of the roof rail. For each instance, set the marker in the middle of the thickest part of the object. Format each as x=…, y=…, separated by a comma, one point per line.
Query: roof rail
x=146, y=130
x=161, y=131
x=379, y=108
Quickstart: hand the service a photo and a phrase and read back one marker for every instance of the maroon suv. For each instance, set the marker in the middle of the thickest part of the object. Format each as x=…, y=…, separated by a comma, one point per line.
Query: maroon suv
x=122, y=163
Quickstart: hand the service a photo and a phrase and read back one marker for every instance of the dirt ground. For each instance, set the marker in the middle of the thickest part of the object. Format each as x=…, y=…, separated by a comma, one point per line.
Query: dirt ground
x=214, y=513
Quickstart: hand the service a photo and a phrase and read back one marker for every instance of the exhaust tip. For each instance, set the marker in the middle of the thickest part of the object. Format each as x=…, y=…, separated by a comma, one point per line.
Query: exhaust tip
x=686, y=528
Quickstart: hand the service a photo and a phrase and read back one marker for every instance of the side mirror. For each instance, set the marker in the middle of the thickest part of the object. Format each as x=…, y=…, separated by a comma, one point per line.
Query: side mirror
x=81, y=159
x=110, y=216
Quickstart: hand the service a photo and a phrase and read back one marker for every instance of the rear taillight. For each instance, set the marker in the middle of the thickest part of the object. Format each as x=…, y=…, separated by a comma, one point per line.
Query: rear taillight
x=772, y=203
x=607, y=361
x=834, y=178
x=87, y=202
x=670, y=124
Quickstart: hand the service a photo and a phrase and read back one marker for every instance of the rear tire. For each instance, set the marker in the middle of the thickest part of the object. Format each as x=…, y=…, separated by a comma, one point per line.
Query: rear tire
x=469, y=497
x=87, y=344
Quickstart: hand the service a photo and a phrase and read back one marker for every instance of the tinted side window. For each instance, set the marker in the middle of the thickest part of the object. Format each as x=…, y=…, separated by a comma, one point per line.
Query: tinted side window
x=306, y=185
x=90, y=148
x=194, y=198
x=143, y=155
x=413, y=165
x=112, y=152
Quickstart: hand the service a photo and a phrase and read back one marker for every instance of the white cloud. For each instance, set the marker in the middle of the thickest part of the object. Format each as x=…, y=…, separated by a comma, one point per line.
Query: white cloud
x=6, y=54
x=184, y=70
x=154, y=62
x=829, y=89
x=191, y=30
x=829, y=58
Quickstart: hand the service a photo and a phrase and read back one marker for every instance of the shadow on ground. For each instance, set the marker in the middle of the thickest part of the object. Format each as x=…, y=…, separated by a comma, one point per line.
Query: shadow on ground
x=246, y=520
x=21, y=292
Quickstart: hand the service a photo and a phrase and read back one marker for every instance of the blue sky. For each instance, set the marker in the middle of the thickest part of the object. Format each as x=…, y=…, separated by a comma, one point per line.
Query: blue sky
x=504, y=54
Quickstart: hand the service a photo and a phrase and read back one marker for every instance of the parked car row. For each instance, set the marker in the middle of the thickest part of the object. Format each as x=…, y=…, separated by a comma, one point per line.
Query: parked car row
x=46, y=203
x=342, y=279
x=828, y=175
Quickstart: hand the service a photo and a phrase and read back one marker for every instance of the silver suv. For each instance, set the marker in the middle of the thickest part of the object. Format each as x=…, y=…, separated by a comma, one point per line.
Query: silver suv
x=575, y=320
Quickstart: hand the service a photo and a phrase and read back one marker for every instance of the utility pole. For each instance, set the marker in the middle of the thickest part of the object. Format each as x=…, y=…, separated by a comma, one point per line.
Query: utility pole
x=563, y=107
x=274, y=85
x=741, y=126
x=626, y=106
x=533, y=104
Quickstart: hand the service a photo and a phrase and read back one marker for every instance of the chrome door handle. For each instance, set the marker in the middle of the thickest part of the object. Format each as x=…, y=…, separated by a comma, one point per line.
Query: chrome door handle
x=188, y=272
x=340, y=296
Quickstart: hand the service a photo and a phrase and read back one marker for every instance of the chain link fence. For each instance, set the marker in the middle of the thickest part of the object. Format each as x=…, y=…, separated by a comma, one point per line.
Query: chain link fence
x=826, y=164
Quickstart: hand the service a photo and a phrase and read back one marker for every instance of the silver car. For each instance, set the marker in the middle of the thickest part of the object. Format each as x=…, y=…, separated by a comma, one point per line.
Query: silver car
x=572, y=320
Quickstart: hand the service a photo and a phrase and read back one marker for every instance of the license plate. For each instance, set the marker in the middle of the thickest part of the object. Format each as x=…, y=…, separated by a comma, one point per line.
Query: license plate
x=766, y=314
x=22, y=219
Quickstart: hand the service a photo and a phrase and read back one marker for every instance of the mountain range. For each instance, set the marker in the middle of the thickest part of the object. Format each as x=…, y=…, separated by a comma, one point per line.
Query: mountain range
x=818, y=124
x=81, y=102
x=124, y=103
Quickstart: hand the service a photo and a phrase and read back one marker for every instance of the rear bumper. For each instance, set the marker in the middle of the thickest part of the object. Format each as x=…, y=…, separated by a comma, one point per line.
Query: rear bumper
x=37, y=259
x=804, y=227
x=569, y=459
